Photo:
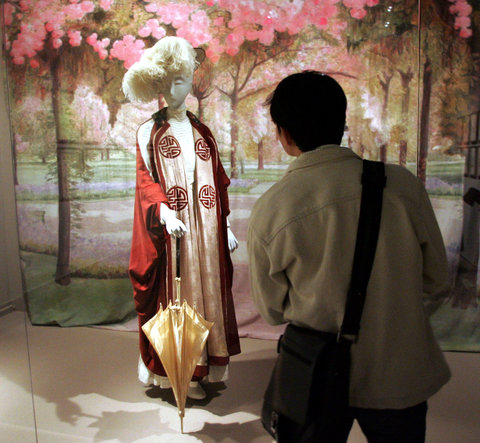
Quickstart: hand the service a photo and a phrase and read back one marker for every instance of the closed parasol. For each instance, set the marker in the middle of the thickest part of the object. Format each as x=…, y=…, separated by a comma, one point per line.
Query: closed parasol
x=179, y=334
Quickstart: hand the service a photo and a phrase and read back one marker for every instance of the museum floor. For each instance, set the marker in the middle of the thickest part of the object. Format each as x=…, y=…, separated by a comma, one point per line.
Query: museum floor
x=85, y=390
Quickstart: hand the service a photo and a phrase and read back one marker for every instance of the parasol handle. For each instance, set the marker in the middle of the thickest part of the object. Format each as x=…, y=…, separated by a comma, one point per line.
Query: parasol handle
x=181, y=414
x=177, y=286
x=178, y=257
x=177, y=278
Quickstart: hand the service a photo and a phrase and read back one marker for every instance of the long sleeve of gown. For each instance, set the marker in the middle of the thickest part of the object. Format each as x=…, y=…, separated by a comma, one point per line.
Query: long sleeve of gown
x=148, y=237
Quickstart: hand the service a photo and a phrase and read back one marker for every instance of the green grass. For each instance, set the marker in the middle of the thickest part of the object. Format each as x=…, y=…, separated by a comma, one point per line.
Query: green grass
x=85, y=301
x=450, y=172
x=122, y=170
x=457, y=329
x=113, y=170
x=266, y=175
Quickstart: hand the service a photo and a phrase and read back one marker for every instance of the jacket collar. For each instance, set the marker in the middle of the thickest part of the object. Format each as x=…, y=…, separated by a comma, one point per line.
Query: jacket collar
x=323, y=154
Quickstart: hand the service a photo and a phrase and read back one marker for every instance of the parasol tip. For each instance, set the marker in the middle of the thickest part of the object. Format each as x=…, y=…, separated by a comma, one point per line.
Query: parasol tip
x=181, y=424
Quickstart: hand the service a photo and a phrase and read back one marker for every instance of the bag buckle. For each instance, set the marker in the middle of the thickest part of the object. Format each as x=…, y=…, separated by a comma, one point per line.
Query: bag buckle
x=352, y=338
x=274, y=424
x=279, y=344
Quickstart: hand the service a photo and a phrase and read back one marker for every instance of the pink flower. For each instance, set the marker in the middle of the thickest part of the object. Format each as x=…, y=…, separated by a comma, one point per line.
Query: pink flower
x=74, y=12
x=58, y=33
x=465, y=33
x=34, y=63
x=461, y=8
x=251, y=35
x=98, y=45
x=462, y=22
x=24, y=5
x=106, y=4
x=152, y=27
x=144, y=31
x=18, y=60
x=195, y=30
x=102, y=53
x=92, y=38
x=87, y=6
x=151, y=8
x=354, y=4
x=214, y=50
x=129, y=50
x=266, y=36
x=358, y=13
x=8, y=13
x=74, y=38
x=322, y=22
x=56, y=43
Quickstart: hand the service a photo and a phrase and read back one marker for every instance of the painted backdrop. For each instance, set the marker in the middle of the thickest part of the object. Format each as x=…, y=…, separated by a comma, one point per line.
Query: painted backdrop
x=410, y=70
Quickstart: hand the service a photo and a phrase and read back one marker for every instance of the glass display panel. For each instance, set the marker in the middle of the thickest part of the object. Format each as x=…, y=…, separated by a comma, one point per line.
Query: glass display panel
x=406, y=68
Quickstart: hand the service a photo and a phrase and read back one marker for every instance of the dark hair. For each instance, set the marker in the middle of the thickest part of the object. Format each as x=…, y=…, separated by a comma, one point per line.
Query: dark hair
x=311, y=106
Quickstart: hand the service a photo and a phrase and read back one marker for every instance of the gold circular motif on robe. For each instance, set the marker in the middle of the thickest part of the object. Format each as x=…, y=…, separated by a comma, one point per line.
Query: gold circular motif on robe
x=177, y=198
x=202, y=149
x=207, y=195
x=169, y=147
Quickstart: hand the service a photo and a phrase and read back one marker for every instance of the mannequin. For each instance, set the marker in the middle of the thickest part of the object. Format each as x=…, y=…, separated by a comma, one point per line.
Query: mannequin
x=181, y=192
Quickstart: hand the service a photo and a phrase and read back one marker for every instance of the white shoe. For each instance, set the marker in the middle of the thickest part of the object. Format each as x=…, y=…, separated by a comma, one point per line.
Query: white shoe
x=195, y=391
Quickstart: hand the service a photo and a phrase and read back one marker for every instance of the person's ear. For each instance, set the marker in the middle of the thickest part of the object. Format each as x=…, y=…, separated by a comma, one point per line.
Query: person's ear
x=286, y=135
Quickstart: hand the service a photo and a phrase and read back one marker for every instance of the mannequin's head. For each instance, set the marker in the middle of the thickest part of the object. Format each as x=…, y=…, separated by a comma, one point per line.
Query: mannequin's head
x=175, y=87
x=311, y=107
x=165, y=68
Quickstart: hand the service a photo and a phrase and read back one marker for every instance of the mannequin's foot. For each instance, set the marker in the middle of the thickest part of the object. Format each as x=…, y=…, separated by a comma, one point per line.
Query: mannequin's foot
x=195, y=391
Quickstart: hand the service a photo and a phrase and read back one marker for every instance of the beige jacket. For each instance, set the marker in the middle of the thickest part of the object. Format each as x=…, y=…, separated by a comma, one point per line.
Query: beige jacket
x=301, y=241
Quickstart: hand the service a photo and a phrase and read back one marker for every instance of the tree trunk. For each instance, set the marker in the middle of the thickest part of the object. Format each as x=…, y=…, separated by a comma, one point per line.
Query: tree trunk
x=385, y=84
x=234, y=140
x=383, y=153
x=406, y=78
x=402, y=153
x=362, y=150
x=260, y=155
x=424, y=121
x=62, y=274
x=200, y=109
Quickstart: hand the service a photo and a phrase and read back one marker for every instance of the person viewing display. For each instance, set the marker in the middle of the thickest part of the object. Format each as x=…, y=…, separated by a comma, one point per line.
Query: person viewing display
x=301, y=240
x=181, y=192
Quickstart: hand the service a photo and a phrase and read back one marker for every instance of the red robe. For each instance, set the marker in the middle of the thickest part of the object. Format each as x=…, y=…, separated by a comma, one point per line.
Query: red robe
x=150, y=243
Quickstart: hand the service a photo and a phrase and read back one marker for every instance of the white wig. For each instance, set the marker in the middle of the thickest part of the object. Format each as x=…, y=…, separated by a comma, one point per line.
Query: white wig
x=142, y=82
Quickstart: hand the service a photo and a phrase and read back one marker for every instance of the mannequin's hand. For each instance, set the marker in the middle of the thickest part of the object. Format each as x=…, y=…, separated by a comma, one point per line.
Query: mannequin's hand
x=174, y=226
x=232, y=241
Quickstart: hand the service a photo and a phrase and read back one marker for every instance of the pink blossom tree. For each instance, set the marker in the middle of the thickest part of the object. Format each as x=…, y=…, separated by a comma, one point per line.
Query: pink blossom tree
x=51, y=37
x=442, y=14
x=241, y=37
x=386, y=36
x=262, y=130
x=70, y=41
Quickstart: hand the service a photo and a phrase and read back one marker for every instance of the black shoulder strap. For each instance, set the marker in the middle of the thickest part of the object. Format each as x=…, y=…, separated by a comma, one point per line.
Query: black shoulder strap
x=373, y=182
